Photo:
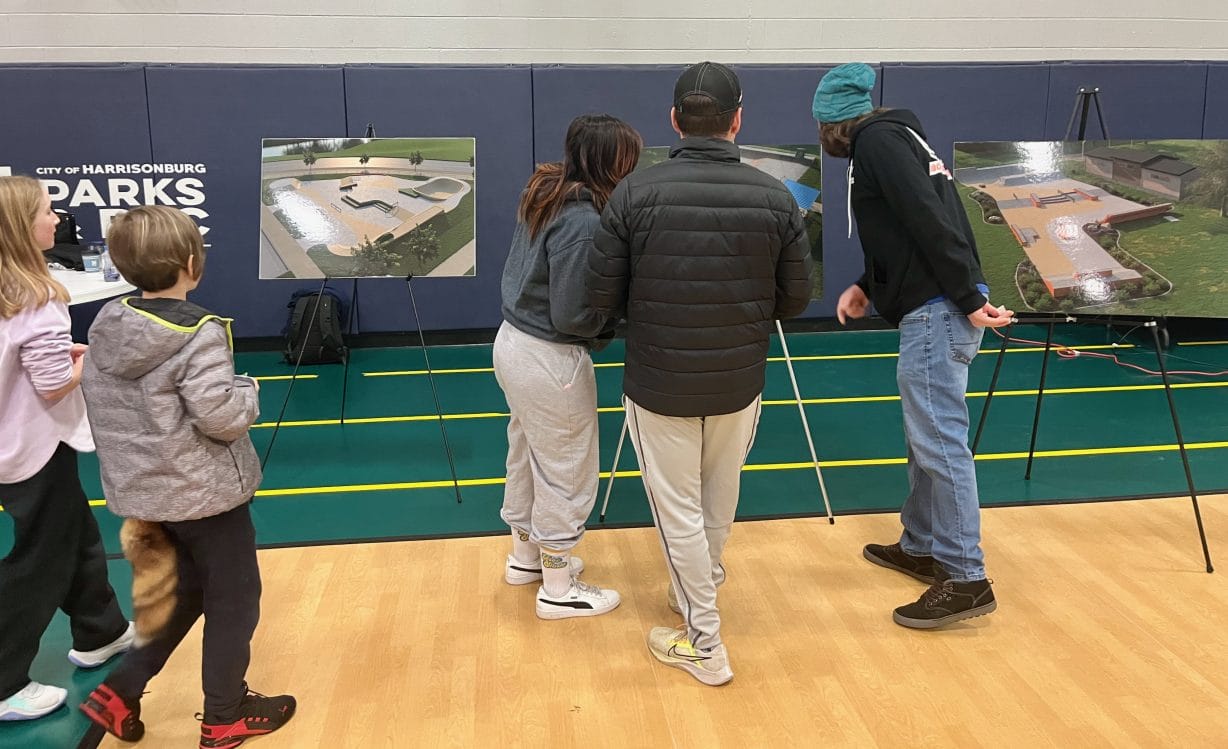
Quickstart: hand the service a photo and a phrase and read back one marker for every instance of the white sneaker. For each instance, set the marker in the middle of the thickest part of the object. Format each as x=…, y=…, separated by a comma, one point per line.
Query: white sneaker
x=673, y=648
x=95, y=658
x=516, y=572
x=672, y=595
x=581, y=599
x=33, y=701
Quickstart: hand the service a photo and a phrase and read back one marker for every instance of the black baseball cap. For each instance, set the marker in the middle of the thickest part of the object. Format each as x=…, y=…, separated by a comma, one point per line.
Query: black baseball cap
x=710, y=79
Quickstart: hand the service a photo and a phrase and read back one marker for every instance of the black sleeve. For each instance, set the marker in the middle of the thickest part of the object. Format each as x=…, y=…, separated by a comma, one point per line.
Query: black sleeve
x=609, y=264
x=794, y=268
x=887, y=155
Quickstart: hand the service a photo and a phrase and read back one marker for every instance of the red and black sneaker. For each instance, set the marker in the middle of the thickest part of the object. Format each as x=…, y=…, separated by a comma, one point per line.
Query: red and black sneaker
x=119, y=717
x=257, y=716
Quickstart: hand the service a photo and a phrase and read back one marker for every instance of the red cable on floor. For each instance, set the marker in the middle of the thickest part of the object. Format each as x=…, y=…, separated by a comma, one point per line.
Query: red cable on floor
x=1068, y=352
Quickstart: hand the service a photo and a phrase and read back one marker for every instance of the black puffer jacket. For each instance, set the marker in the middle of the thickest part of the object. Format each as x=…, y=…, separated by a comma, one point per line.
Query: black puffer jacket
x=700, y=254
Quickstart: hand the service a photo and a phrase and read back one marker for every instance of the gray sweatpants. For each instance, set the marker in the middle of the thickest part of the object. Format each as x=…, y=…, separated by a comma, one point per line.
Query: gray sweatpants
x=692, y=469
x=551, y=437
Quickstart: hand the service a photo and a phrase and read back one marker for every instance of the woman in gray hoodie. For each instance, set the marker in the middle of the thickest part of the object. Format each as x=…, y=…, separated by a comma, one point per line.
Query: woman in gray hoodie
x=542, y=362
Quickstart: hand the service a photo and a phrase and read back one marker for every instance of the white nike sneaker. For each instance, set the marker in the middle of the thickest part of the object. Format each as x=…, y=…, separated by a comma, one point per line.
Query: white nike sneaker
x=516, y=572
x=33, y=701
x=673, y=648
x=95, y=658
x=581, y=599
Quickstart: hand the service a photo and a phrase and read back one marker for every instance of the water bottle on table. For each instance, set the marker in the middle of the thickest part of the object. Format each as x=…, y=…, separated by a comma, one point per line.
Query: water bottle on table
x=91, y=257
x=109, y=271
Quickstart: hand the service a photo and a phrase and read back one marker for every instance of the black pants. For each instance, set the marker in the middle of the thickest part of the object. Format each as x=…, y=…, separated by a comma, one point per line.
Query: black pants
x=57, y=561
x=218, y=577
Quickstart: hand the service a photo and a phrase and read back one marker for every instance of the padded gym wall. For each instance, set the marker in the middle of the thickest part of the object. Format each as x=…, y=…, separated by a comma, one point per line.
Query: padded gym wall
x=214, y=116
x=1139, y=99
x=63, y=122
x=490, y=103
x=217, y=116
x=776, y=101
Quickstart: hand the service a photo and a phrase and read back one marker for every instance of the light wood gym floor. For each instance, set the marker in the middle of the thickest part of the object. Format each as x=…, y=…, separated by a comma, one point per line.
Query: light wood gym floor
x=1109, y=633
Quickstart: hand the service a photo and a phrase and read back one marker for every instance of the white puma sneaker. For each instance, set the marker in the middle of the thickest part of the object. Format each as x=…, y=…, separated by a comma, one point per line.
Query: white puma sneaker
x=581, y=599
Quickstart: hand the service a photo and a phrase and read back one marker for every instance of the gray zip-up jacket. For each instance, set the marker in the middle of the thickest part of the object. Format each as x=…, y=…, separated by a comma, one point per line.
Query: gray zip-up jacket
x=168, y=413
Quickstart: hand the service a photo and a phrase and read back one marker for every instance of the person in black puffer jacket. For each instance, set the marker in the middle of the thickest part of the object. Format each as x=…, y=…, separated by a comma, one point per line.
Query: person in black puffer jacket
x=700, y=254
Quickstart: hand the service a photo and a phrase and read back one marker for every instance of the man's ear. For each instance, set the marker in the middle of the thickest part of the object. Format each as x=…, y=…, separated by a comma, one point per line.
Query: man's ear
x=673, y=121
x=737, y=123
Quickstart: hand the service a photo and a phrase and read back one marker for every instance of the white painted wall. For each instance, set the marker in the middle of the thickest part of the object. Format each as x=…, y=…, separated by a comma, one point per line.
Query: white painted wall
x=608, y=31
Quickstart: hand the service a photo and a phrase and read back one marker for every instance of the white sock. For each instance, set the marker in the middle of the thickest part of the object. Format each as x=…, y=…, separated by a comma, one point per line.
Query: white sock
x=523, y=550
x=556, y=572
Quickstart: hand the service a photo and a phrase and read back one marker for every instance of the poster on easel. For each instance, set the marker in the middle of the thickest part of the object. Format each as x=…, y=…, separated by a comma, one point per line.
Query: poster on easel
x=367, y=207
x=1131, y=228
x=799, y=169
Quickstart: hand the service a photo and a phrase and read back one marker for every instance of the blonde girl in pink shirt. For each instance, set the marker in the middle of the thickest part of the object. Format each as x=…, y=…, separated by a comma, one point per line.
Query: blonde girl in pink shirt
x=57, y=560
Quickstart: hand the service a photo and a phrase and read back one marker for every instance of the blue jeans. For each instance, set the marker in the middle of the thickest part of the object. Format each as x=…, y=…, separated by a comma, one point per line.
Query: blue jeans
x=942, y=515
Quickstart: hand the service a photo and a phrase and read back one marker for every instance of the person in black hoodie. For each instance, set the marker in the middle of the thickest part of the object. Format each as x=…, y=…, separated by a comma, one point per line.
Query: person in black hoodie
x=923, y=274
x=700, y=253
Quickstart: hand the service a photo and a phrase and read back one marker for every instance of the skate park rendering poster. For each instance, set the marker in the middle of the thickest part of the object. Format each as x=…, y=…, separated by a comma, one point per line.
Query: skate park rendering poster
x=799, y=169
x=1133, y=228
x=367, y=207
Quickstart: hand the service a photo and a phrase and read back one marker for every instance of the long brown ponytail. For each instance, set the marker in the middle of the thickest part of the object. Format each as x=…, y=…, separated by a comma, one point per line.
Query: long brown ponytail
x=599, y=151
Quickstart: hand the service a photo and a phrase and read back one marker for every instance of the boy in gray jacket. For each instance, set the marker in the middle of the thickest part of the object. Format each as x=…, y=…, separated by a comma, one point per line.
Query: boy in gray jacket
x=170, y=420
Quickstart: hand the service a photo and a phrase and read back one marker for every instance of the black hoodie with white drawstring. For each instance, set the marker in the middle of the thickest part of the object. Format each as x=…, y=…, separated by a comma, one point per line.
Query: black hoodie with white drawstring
x=915, y=234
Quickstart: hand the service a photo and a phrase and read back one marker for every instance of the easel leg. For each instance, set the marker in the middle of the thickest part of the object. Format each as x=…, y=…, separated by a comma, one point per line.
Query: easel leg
x=609, y=484
x=784, y=346
x=1185, y=460
x=443, y=430
x=1040, y=397
x=302, y=346
x=993, y=385
x=349, y=330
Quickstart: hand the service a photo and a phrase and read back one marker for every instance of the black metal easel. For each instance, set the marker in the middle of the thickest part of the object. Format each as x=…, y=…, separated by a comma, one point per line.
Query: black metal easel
x=1083, y=100
x=1086, y=96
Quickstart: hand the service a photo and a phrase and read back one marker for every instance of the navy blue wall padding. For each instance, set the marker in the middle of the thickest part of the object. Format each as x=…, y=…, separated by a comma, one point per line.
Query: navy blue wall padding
x=69, y=115
x=1139, y=99
x=58, y=116
x=639, y=94
x=970, y=102
x=490, y=103
x=217, y=116
x=776, y=101
x=1215, y=123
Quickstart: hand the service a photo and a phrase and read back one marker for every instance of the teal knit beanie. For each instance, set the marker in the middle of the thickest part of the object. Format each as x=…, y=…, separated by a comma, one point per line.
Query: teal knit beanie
x=844, y=93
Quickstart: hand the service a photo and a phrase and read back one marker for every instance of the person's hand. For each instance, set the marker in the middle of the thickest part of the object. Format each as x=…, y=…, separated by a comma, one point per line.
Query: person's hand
x=853, y=304
x=78, y=363
x=77, y=351
x=990, y=316
x=256, y=384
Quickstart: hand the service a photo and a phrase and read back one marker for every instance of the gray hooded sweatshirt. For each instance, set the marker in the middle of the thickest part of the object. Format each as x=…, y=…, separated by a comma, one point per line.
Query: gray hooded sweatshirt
x=168, y=413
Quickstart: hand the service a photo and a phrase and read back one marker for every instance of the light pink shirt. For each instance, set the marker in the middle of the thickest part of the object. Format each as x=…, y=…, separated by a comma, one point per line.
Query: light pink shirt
x=35, y=358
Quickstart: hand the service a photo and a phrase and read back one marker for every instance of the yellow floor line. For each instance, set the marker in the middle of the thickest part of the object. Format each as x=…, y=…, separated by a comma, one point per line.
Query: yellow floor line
x=268, y=378
x=794, y=466
x=1133, y=449
x=787, y=402
x=1202, y=343
x=774, y=359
